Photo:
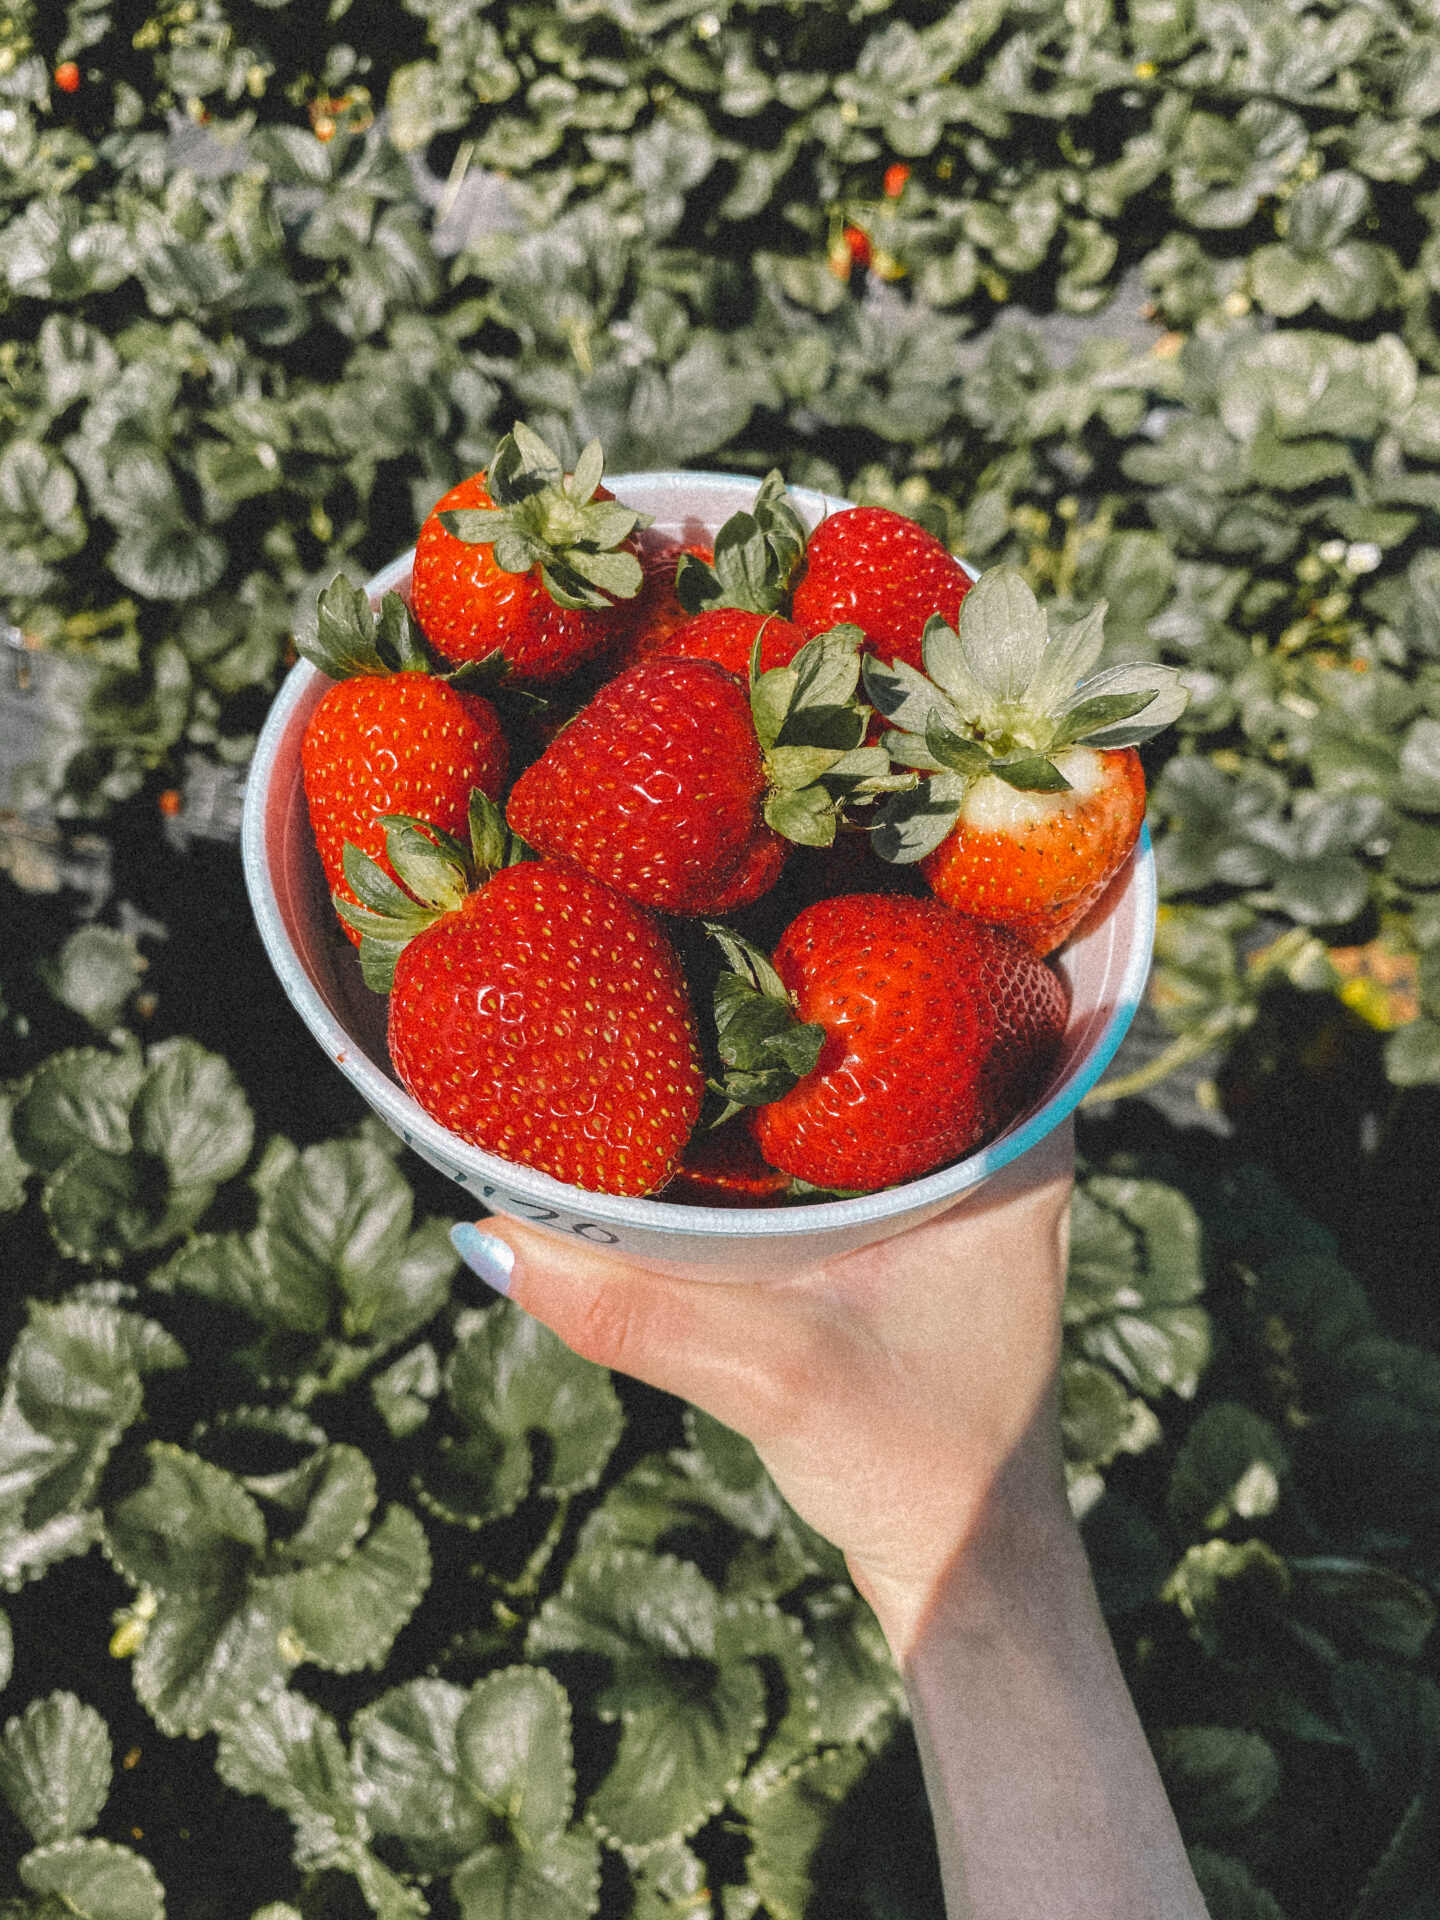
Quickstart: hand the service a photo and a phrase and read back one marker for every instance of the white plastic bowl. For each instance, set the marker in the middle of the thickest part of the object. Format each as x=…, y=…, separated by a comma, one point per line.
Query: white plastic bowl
x=1105, y=965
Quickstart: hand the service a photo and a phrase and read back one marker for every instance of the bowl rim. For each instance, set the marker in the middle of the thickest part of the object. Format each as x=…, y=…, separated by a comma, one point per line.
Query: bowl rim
x=669, y=1219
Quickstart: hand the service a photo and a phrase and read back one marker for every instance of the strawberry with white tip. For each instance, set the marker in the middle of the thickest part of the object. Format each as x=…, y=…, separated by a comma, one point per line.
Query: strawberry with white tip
x=1035, y=794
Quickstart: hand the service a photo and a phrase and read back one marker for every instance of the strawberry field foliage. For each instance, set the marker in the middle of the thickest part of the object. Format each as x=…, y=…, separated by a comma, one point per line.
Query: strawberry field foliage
x=459, y=1629
x=332, y=1587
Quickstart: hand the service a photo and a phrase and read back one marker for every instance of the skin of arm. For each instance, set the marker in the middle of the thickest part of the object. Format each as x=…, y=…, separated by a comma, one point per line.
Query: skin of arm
x=904, y=1398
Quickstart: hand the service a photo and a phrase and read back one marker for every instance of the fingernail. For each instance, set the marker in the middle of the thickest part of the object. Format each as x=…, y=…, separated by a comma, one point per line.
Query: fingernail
x=484, y=1254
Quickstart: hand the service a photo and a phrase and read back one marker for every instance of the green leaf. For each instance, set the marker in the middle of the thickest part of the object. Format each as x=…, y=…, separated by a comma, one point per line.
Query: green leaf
x=1217, y=1582
x=558, y=1880
x=910, y=825
x=509, y=1376
x=907, y=697
x=512, y=1740
x=193, y=1115
x=95, y=973
x=1030, y=773
x=951, y=750
x=334, y=1239
x=214, y=1637
x=188, y=1529
x=406, y=1765
x=322, y=1506
x=859, y=1691
x=756, y=555
x=403, y=1393
x=1098, y=1417
x=1375, y=1605
x=950, y=669
x=343, y=640
x=95, y=1880
x=1218, y=1778
x=688, y=1725
x=289, y=1752
x=1002, y=633
x=758, y=1630
x=79, y=1098
x=1167, y=1349
x=1412, y=1054
x=757, y=1034
x=1229, y=1466
x=790, y=1825
x=345, y=1614
x=725, y=1471
x=806, y=816
x=669, y=1881
x=770, y=699
x=55, y=1767
x=679, y=1760
x=74, y=1386
x=168, y=559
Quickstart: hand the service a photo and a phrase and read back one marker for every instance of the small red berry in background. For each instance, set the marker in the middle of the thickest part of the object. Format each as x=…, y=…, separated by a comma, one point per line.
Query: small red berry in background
x=67, y=77
x=896, y=175
x=858, y=241
x=171, y=802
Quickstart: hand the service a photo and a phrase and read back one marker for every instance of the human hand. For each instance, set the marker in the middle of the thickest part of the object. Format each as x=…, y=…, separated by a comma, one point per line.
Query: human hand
x=888, y=1391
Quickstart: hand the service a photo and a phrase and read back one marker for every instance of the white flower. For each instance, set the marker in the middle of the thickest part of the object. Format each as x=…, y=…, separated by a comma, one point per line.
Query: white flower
x=1362, y=556
x=1332, y=552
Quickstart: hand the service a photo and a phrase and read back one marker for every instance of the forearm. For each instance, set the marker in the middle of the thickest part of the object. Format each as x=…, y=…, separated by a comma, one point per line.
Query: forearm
x=1045, y=1796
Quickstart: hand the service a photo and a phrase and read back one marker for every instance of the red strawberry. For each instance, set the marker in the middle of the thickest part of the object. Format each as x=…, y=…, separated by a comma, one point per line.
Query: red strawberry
x=388, y=741
x=1035, y=794
x=1038, y=862
x=523, y=562
x=930, y=1031
x=540, y=1016
x=657, y=787
x=674, y=785
x=724, y=1169
x=645, y=624
x=884, y=573
x=727, y=635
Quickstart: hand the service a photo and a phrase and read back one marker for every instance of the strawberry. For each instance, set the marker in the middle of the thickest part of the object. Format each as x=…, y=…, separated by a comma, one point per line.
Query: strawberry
x=1035, y=793
x=645, y=624
x=521, y=561
x=890, y=1036
x=532, y=1012
x=390, y=736
x=728, y=635
x=724, y=1169
x=674, y=785
x=884, y=573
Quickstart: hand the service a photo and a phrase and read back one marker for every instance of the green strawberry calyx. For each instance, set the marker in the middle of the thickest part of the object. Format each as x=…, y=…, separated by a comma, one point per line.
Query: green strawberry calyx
x=437, y=874
x=811, y=726
x=544, y=518
x=766, y=1048
x=757, y=554
x=1004, y=697
x=349, y=639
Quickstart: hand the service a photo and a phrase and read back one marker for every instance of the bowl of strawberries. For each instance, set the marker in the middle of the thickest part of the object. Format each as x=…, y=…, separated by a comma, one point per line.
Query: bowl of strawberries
x=705, y=868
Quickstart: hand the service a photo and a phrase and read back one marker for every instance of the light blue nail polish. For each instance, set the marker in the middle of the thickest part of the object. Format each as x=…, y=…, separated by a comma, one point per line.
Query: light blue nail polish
x=484, y=1255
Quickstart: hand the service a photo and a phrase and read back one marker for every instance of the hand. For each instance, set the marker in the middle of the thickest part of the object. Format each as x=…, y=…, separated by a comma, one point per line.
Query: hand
x=887, y=1391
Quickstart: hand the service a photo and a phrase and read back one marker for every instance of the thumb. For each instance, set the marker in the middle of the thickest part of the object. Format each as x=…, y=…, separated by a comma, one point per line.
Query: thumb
x=725, y=1344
